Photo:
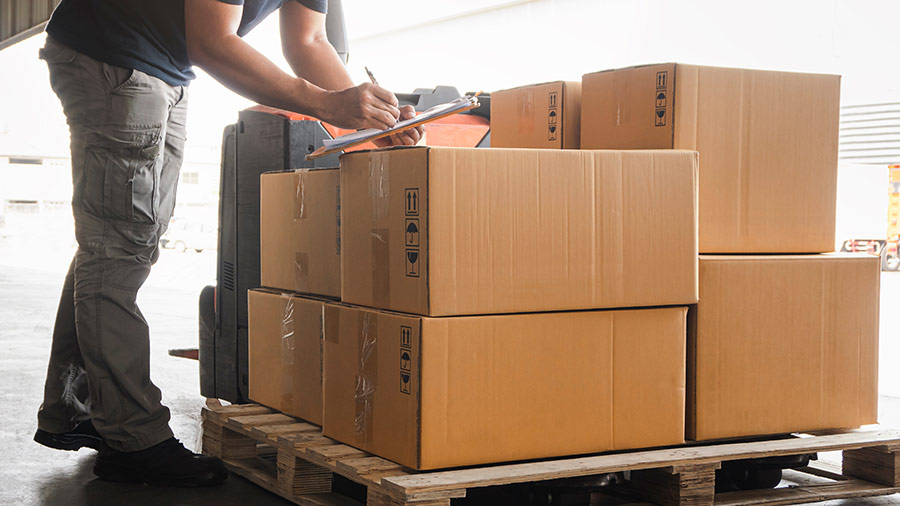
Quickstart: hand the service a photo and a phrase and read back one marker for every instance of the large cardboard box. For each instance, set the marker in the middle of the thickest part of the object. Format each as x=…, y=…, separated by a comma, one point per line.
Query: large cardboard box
x=299, y=234
x=544, y=116
x=441, y=392
x=454, y=231
x=285, y=343
x=767, y=143
x=781, y=344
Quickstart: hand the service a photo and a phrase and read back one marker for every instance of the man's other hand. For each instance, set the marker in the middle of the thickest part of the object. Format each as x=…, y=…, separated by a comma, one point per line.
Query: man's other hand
x=409, y=137
x=364, y=106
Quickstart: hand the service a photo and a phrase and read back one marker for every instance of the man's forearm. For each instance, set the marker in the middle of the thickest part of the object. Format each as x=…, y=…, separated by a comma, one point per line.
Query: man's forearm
x=243, y=69
x=318, y=62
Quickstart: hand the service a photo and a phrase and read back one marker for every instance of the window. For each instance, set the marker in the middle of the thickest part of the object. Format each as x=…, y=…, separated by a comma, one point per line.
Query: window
x=190, y=178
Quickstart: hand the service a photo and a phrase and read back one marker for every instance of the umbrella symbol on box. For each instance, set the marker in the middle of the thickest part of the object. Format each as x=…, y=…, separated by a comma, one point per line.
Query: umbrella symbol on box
x=405, y=362
x=412, y=233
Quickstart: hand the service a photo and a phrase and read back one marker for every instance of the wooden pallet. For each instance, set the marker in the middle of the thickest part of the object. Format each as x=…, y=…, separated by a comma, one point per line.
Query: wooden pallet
x=294, y=460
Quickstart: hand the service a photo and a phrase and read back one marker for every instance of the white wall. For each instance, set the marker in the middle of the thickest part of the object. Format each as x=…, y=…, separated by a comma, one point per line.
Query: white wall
x=529, y=41
x=563, y=39
x=862, y=202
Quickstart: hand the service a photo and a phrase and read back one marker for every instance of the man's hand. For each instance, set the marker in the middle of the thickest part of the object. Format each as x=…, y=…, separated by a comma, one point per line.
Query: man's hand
x=363, y=106
x=409, y=137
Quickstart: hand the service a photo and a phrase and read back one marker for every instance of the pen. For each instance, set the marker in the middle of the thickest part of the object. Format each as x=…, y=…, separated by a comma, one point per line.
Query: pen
x=371, y=76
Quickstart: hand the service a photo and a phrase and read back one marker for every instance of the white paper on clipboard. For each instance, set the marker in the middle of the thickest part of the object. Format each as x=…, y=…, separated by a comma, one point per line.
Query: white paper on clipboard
x=459, y=104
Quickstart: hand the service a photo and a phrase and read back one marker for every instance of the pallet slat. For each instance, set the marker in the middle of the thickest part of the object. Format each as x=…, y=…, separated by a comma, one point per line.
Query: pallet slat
x=273, y=431
x=326, y=455
x=585, y=466
x=796, y=495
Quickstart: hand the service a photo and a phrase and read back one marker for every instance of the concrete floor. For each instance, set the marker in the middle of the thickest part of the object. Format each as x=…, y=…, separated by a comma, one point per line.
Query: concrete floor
x=34, y=475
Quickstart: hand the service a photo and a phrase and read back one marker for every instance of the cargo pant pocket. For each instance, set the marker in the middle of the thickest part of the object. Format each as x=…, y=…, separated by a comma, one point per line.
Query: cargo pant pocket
x=121, y=180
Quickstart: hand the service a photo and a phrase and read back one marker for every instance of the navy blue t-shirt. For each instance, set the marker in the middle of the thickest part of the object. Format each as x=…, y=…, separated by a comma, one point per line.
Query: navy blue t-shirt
x=147, y=35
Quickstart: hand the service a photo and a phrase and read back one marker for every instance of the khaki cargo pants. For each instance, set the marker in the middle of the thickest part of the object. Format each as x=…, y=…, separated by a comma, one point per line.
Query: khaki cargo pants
x=127, y=142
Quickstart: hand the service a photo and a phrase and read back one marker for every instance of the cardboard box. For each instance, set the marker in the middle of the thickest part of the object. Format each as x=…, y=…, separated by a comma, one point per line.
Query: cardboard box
x=782, y=344
x=544, y=116
x=285, y=353
x=441, y=392
x=455, y=231
x=768, y=145
x=300, y=231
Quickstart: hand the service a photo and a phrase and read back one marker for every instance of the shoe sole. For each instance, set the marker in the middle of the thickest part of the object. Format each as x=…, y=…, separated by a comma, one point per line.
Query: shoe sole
x=125, y=474
x=67, y=442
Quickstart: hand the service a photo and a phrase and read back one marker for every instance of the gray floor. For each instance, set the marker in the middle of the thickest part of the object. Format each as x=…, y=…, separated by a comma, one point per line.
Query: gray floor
x=34, y=475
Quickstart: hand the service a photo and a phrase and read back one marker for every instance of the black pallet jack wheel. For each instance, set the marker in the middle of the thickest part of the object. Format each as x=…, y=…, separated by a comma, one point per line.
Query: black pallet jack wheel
x=764, y=478
x=733, y=478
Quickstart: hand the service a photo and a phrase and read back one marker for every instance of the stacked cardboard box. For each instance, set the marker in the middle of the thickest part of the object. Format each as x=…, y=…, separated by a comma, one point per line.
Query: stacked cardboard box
x=300, y=231
x=783, y=339
x=781, y=344
x=286, y=334
x=465, y=267
x=538, y=116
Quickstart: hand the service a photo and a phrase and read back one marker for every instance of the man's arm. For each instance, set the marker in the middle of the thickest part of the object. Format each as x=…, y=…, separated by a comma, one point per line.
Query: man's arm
x=305, y=45
x=213, y=44
x=307, y=50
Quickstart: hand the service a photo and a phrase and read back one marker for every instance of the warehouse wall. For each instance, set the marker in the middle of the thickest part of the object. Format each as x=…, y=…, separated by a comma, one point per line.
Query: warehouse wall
x=20, y=19
x=516, y=43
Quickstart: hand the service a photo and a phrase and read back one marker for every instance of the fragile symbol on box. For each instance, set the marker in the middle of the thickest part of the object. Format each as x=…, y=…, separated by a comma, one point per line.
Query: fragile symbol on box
x=552, y=133
x=412, y=231
x=660, y=117
x=404, y=382
x=412, y=201
x=412, y=262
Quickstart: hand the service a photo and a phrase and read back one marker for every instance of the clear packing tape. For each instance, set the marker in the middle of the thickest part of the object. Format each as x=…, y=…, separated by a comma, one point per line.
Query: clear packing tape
x=367, y=374
x=379, y=184
x=380, y=196
x=301, y=258
x=288, y=342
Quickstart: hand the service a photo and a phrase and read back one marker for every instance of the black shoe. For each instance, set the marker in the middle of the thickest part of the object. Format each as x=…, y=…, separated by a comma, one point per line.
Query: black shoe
x=83, y=435
x=167, y=464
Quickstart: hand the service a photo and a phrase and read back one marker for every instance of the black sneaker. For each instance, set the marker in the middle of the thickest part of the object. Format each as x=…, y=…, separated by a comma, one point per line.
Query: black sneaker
x=167, y=464
x=84, y=435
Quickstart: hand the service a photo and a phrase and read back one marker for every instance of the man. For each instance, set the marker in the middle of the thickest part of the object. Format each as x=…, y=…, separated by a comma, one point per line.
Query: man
x=121, y=70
